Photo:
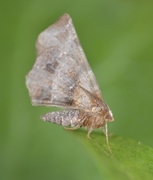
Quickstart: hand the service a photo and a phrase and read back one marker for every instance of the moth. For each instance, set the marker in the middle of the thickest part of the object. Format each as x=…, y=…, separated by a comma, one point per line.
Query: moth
x=62, y=77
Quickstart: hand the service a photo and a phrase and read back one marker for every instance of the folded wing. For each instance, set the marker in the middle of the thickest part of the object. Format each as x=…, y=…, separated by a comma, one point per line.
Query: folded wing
x=61, y=71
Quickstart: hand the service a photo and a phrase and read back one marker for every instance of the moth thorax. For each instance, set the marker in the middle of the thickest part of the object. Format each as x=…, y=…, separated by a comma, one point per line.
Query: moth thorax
x=96, y=109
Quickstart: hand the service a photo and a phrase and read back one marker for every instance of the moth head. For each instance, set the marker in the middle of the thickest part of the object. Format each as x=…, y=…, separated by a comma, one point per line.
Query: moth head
x=108, y=116
x=103, y=111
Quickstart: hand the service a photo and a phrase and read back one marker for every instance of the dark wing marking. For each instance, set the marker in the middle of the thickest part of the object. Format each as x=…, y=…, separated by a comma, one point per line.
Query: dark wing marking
x=53, y=78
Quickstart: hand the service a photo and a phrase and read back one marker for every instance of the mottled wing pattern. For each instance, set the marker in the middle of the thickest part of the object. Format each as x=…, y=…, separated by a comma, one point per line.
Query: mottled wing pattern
x=53, y=79
x=61, y=70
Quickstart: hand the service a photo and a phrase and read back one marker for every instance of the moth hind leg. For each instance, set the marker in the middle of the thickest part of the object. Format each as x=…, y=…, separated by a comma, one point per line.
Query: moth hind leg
x=88, y=134
x=72, y=128
x=77, y=126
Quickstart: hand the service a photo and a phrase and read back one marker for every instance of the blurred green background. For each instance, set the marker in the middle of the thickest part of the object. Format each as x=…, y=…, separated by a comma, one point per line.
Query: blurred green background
x=117, y=37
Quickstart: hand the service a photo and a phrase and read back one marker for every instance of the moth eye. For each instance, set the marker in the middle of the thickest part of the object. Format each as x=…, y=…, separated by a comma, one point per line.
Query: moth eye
x=108, y=116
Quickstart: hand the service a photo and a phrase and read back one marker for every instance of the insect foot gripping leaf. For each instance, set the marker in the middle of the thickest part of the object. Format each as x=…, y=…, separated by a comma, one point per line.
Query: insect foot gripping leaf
x=62, y=77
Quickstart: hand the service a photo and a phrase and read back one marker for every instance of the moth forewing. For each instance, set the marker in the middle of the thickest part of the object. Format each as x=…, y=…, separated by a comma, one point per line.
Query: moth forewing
x=62, y=77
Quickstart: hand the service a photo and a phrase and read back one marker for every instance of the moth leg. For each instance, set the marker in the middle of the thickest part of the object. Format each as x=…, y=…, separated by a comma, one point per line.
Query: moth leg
x=104, y=130
x=88, y=135
x=72, y=128
x=106, y=134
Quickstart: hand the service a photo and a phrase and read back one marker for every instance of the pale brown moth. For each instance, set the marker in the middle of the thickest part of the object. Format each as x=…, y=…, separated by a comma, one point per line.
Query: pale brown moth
x=62, y=77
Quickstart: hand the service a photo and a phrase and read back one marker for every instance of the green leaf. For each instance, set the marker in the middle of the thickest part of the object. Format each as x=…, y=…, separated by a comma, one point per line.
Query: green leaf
x=129, y=159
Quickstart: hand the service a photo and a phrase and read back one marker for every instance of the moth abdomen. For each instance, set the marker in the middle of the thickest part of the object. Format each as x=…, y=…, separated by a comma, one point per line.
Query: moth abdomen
x=65, y=118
